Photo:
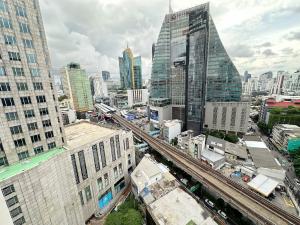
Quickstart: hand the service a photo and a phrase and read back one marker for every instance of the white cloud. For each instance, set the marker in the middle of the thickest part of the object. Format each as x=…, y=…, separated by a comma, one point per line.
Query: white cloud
x=95, y=32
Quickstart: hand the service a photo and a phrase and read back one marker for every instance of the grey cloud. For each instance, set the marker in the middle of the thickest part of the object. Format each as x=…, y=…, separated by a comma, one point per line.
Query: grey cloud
x=287, y=50
x=294, y=35
x=265, y=44
x=240, y=51
x=268, y=52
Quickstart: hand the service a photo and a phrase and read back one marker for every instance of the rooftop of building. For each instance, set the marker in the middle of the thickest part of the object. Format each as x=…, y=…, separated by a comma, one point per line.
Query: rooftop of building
x=283, y=104
x=263, y=158
x=84, y=132
x=216, y=142
x=211, y=156
x=263, y=184
x=236, y=149
x=179, y=208
x=29, y=163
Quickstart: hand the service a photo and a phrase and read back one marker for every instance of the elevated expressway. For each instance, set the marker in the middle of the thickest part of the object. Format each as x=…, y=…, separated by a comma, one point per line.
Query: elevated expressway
x=257, y=208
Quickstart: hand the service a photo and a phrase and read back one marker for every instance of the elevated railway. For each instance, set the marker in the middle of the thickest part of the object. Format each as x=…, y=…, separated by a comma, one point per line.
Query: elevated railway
x=257, y=208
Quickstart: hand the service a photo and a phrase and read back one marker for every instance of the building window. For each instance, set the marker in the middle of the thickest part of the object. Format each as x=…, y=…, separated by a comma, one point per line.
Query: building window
x=215, y=115
x=88, y=193
x=21, y=11
x=7, y=102
x=38, y=86
x=51, y=145
x=3, y=161
x=35, y=138
x=233, y=116
x=23, y=155
x=75, y=170
x=24, y=27
x=82, y=165
x=14, y=56
x=96, y=158
x=102, y=154
x=22, y=86
x=12, y=116
x=31, y=58
x=116, y=172
x=15, y=212
x=81, y=198
x=118, y=146
x=127, y=143
x=25, y=100
x=3, y=6
x=10, y=40
x=29, y=113
x=44, y=111
x=2, y=71
x=100, y=183
x=16, y=129
x=12, y=201
x=32, y=126
x=46, y=123
x=129, y=159
x=223, y=120
x=41, y=98
x=112, y=148
x=243, y=118
x=35, y=72
x=8, y=190
x=4, y=87
x=38, y=150
x=18, y=71
x=106, y=180
x=49, y=134
x=20, y=221
x=27, y=43
x=120, y=169
x=5, y=23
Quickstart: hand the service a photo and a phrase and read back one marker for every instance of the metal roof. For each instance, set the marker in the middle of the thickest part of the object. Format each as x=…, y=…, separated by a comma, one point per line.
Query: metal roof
x=263, y=185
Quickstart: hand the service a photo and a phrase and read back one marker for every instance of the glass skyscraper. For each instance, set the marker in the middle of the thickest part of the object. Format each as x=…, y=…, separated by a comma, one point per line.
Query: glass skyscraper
x=130, y=70
x=191, y=66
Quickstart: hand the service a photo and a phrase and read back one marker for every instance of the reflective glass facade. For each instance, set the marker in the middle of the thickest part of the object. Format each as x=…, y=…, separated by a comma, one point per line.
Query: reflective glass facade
x=191, y=65
x=130, y=70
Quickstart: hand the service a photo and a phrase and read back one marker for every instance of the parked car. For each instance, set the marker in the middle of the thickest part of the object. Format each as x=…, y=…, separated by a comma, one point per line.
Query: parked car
x=209, y=203
x=246, y=178
x=222, y=214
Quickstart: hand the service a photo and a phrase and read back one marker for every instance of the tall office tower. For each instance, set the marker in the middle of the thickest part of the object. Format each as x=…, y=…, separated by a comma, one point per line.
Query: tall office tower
x=77, y=87
x=191, y=66
x=99, y=86
x=29, y=113
x=130, y=70
x=105, y=75
x=247, y=76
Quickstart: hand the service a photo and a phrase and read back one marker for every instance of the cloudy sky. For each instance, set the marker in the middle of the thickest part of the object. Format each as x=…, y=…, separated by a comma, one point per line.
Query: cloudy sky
x=259, y=35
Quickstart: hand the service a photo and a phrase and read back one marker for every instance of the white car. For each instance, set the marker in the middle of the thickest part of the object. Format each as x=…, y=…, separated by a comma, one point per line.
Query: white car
x=209, y=203
x=222, y=214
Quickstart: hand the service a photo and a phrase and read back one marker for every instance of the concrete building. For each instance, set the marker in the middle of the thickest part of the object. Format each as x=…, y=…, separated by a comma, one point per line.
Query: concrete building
x=102, y=160
x=170, y=129
x=105, y=75
x=278, y=84
x=29, y=114
x=77, y=88
x=99, y=87
x=196, y=146
x=291, y=83
x=286, y=137
x=165, y=202
x=227, y=116
x=184, y=76
x=4, y=212
x=41, y=190
x=130, y=70
x=137, y=97
x=68, y=115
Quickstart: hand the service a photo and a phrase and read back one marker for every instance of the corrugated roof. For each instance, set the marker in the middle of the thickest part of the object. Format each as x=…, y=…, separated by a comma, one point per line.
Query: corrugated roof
x=262, y=184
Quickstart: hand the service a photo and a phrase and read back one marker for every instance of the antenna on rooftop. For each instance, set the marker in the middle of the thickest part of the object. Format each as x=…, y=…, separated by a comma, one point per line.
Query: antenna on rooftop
x=170, y=6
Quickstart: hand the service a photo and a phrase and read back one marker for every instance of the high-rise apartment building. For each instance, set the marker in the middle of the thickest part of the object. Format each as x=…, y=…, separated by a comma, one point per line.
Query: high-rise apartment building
x=191, y=67
x=130, y=70
x=77, y=87
x=29, y=113
x=105, y=75
x=99, y=87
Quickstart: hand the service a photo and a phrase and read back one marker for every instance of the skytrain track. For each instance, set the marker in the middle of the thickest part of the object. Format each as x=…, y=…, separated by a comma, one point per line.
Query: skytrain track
x=253, y=204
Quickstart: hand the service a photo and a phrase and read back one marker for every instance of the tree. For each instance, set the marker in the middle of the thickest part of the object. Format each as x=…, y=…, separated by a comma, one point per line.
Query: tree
x=263, y=127
x=61, y=98
x=231, y=138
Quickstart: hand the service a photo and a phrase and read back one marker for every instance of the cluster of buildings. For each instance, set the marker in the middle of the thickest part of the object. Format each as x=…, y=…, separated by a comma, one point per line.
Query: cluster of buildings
x=283, y=83
x=51, y=174
x=198, y=85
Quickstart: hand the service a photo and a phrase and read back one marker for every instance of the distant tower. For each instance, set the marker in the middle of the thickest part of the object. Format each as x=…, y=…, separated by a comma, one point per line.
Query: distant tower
x=170, y=7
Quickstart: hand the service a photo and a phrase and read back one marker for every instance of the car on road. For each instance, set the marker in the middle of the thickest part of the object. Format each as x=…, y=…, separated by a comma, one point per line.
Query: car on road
x=222, y=214
x=209, y=203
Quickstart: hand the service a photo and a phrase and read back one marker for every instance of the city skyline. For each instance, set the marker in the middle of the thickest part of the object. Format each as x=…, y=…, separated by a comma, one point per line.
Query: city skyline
x=261, y=37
